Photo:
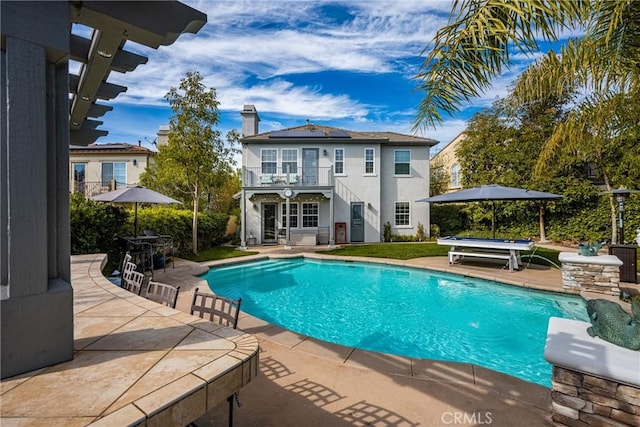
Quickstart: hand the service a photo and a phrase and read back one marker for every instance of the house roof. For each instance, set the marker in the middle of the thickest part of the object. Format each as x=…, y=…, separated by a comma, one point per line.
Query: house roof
x=119, y=148
x=459, y=137
x=327, y=134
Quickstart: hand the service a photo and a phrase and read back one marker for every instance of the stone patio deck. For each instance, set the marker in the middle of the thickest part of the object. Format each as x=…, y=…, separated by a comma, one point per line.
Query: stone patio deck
x=135, y=363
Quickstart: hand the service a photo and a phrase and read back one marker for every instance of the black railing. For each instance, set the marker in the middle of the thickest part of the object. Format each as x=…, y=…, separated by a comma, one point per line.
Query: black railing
x=90, y=189
x=277, y=177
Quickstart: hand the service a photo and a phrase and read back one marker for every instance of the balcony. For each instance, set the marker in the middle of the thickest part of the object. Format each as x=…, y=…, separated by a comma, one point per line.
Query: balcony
x=90, y=189
x=279, y=178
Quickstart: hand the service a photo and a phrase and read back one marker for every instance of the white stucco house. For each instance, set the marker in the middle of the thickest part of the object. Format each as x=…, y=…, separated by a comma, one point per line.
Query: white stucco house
x=98, y=168
x=315, y=184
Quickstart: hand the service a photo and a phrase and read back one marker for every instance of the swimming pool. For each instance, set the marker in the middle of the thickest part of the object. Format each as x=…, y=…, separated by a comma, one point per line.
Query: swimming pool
x=404, y=311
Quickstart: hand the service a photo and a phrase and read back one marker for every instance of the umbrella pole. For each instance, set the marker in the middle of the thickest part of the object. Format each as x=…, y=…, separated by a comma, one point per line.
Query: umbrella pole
x=135, y=221
x=493, y=219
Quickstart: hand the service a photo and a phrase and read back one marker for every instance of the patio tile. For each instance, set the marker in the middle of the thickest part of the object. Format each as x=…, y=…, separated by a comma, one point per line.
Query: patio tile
x=144, y=333
x=113, y=307
x=512, y=387
x=87, y=301
x=172, y=367
x=325, y=349
x=78, y=388
x=126, y=416
x=87, y=330
x=47, y=422
x=163, y=310
x=13, y=382
x=202, y=340
x=187, y=396
x=444, y=372
x=251, y=324
x=217, y=369
x=282, y=336
x=380, y=362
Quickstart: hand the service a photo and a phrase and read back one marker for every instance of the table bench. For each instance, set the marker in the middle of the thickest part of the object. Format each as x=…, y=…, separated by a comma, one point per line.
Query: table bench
x=453, y=255
x=486, y=248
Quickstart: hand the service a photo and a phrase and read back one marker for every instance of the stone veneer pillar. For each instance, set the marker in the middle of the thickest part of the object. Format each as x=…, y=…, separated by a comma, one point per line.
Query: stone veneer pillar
x=595, y=382
x=599, y=273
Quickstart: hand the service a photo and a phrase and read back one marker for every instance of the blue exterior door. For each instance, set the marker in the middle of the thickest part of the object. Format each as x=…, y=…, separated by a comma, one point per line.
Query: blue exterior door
x=357, y=222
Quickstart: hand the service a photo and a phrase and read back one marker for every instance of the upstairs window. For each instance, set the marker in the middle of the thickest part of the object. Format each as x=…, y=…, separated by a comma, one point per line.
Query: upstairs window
x=269, y=160
x=402, y=159
x=455, y=176
x=114, y=172
x=338, y=161
x=369, y=159
x=289, y=160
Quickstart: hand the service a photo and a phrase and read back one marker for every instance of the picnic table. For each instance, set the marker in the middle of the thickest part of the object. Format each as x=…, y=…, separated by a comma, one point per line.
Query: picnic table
x=476, y=247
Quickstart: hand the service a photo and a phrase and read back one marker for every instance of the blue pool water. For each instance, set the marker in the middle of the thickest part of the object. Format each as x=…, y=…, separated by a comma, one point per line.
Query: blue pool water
x=404, y=311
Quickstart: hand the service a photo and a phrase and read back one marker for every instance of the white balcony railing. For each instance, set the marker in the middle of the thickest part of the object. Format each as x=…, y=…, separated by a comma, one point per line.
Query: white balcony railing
x=276, y=177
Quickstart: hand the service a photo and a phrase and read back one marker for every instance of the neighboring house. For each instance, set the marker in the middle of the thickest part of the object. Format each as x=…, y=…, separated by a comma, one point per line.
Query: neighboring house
x=447, y=159
x=316, y=184
x=98, y=168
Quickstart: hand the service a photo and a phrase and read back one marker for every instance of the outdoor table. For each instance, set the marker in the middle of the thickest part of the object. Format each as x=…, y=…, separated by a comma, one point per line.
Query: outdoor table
x=486, y=248
x=141, y=250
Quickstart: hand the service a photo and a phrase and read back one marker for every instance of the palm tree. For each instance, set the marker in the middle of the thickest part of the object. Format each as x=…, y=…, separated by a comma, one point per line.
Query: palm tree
x=603, y=65
x=475, y=46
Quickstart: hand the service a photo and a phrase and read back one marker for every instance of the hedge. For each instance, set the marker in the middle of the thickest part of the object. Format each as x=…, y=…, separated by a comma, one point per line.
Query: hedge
x=95, y=227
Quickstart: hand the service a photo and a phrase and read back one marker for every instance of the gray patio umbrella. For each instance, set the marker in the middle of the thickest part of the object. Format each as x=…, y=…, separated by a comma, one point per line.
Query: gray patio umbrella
x=137, y=194
x=490, y=193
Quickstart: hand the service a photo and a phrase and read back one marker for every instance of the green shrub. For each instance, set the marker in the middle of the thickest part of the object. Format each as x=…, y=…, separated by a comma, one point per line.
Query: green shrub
x=387, y=231
x=212, y=227
x=94, y=228
x=404, y=238
x=96, y=225
x=450, y=219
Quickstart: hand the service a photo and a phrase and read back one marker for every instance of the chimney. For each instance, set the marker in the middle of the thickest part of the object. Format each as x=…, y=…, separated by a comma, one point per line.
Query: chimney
x=163, y=135
x=250, y=120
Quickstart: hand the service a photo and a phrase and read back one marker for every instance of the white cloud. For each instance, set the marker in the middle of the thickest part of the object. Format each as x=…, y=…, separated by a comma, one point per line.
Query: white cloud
x=271, y=39
x=259, y=51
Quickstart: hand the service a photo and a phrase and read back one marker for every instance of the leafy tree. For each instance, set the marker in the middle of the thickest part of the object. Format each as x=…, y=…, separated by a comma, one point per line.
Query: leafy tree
x=221, y=200
x=196, y=161
x=602, y=132
x=484, y=155
x=601, y=129
x=502, y=146
x=438, y=178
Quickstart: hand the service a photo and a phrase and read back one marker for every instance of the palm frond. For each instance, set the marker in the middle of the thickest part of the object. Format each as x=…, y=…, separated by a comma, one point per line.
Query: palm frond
x=475, y=46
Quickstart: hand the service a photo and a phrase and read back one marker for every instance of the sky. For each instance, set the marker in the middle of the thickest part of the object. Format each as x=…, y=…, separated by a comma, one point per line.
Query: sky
x=347, y=64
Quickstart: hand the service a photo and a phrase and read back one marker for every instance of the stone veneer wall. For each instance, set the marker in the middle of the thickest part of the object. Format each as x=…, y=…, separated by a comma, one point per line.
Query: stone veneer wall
x=599, y=273
x=580, y=400
x=591, y=277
